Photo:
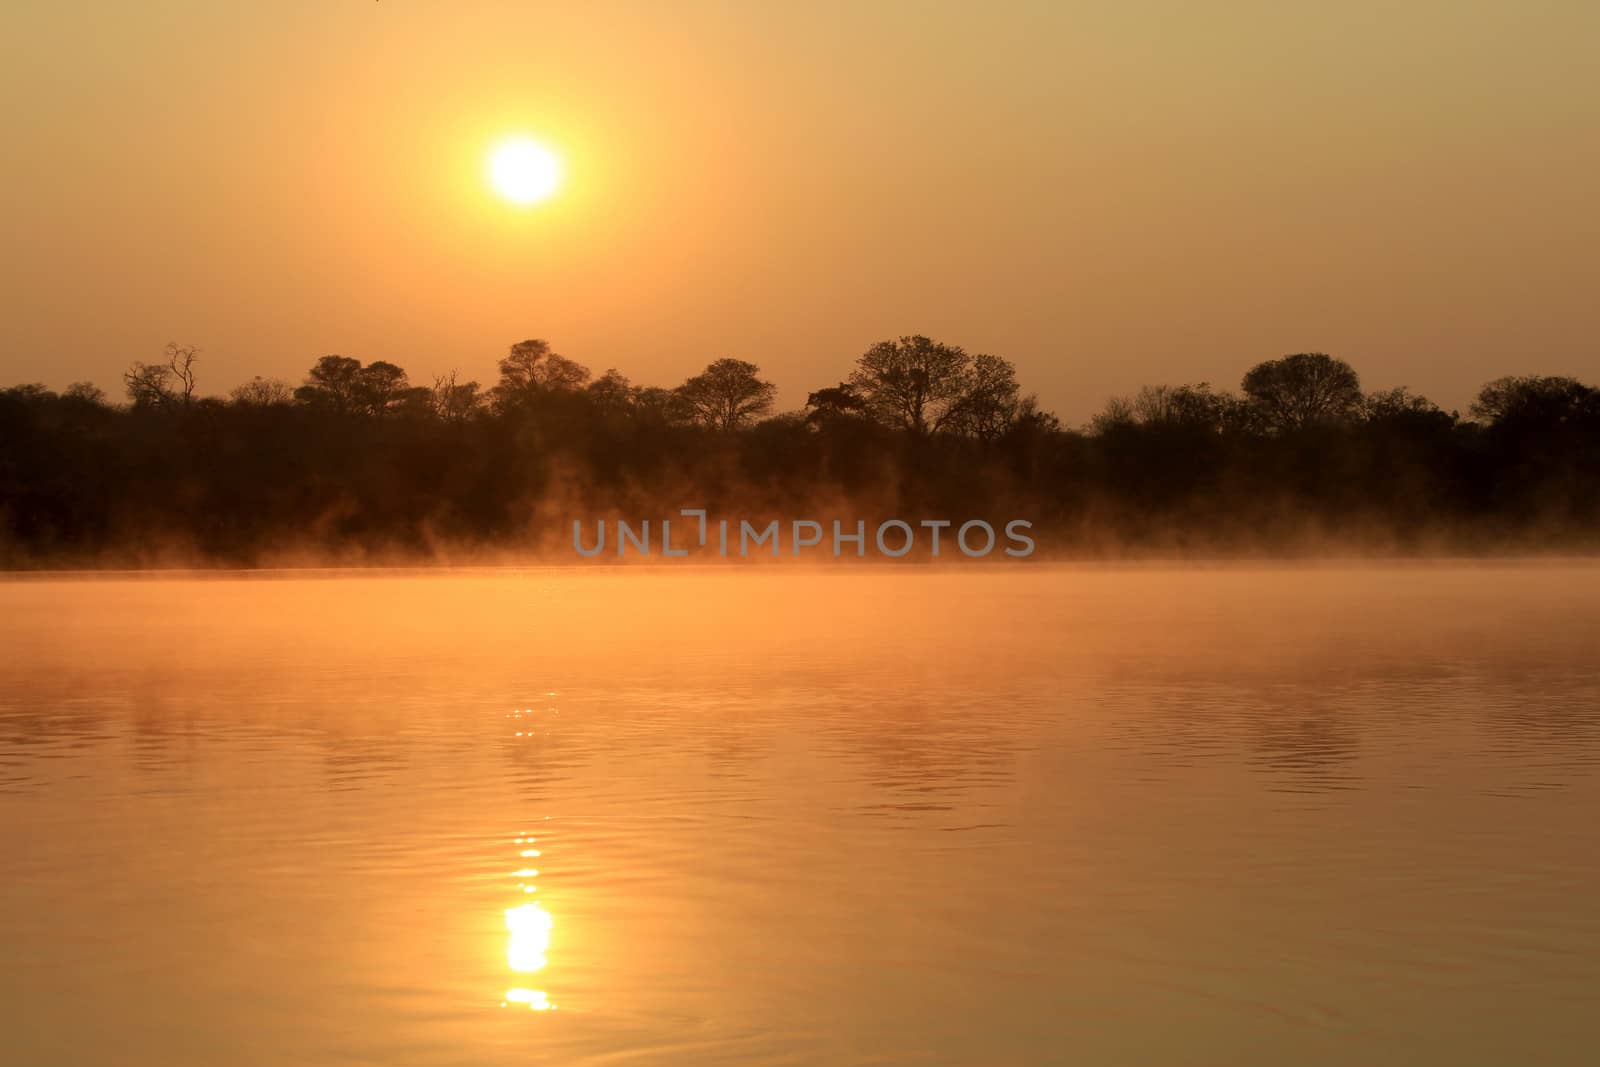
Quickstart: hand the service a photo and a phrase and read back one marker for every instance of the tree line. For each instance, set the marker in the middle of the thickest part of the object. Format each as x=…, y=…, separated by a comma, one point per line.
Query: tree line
x=358, y=462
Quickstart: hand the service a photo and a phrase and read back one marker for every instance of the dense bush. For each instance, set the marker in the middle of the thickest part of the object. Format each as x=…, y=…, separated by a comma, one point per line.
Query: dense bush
x=357, y=463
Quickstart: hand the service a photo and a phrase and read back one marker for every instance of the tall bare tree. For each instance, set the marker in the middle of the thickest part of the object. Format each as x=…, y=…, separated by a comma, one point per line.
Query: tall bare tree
x=454, y=401
x=181, y=360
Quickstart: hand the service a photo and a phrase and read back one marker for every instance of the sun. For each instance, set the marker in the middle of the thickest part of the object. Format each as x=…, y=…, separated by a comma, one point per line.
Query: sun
x=524, y=171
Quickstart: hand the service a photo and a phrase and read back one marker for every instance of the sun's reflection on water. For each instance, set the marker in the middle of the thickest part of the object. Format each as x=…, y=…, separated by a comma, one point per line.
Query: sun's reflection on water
x=528, y=924
x=535, y=999
x=527, y=947
x=530, y=938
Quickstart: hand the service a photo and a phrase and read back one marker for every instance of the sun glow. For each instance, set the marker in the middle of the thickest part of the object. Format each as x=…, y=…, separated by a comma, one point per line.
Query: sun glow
x=524, y=171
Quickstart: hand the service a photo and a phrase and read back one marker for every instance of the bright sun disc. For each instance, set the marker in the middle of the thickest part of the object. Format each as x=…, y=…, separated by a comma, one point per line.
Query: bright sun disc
x=524, y=171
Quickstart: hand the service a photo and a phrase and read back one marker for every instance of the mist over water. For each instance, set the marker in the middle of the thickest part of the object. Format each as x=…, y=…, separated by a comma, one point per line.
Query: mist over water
x=1238, y=814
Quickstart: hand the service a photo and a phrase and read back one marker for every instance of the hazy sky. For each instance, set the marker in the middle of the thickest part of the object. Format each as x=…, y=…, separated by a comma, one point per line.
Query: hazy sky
x=1107, y=194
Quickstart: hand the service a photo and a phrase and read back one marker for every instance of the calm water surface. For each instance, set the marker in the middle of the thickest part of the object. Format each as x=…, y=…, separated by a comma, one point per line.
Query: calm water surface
x=1332, y=815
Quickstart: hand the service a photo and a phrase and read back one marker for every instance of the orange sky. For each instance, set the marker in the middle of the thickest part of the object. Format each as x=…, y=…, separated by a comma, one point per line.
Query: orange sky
x=1107, y=194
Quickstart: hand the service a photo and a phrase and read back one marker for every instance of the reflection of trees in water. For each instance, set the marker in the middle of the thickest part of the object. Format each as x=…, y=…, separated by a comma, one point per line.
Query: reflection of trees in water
x=929, y=752
x=363, y=740
x=924, y=752
x=729, y=728
x=1301, y=735
x=353, y=761
x=35, y=731
x=38, y=714
x=722, y=732
x=539, y=759
x=1304, y=721
x=66, y=718
x=165, y=734
x=163, y=719
x=1547, y=725
x=732, y=743
x=1554, y=715
x=1294, y=715
x=162, y=735
x=1312, y=747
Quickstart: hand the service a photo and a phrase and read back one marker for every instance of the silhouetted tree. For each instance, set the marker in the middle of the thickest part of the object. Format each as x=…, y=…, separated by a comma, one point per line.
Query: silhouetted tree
x=85, y=393
x=611, y=393
x=1301, y=390
x=1533, y=399
x=1187, y=406
x=728, y=394
x=531, y=369
x=911, y=383
x=454, y=401
x=181, y=360
x=149, y=385
x=1401, y=405
x=1192, y=406
x=833, y=402
x=665, y=407
x=1031, y=420
x=1543, y=440
x=333, y=384
x=382, y=387
x=988, y=402
x=262, y=392
x=1117, y=413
